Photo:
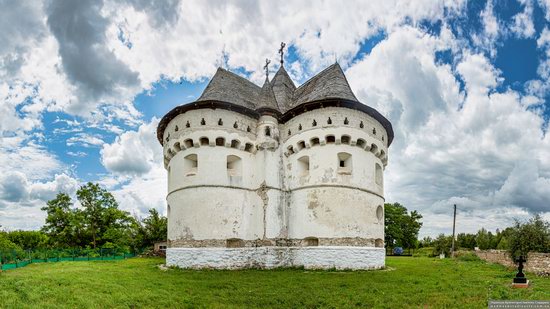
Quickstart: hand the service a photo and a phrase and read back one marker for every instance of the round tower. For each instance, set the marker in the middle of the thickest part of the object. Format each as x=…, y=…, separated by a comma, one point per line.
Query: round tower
x=276, y=175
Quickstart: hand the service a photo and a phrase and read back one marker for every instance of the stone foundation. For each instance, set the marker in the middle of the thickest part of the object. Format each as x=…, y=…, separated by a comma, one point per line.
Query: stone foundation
x=323, y=257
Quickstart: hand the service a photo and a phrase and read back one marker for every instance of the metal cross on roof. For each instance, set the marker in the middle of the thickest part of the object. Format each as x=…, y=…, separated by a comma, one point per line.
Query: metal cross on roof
x=282, y=52
x=266, y=67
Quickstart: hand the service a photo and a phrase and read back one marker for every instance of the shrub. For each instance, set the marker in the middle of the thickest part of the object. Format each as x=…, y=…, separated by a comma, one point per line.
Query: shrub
x=466, y=256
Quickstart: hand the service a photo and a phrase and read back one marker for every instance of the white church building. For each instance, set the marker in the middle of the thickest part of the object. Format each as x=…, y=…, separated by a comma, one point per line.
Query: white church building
x=276, y=176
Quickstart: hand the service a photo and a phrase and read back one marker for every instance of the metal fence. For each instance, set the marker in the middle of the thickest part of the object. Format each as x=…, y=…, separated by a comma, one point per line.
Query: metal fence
x=15, y=259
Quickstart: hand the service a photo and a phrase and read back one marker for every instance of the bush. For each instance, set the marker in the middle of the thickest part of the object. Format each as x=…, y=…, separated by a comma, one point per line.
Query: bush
x=442, y=244
x=423, y=252
x=466, y=256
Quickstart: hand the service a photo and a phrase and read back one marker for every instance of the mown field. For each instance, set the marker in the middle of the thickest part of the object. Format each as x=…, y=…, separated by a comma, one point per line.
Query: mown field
x=139, y=283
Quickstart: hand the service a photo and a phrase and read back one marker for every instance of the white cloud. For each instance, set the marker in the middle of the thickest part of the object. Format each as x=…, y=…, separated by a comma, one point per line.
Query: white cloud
x=133, y=152
x=482, y=149
x=523, y=25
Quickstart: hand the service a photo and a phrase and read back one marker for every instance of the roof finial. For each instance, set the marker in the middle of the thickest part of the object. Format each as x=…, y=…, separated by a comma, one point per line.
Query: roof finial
x=266, y=68
x=282, y=52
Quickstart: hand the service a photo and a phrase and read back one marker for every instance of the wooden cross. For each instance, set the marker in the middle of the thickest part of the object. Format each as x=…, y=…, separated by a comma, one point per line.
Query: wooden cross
x=266, y=67
x=282, y=52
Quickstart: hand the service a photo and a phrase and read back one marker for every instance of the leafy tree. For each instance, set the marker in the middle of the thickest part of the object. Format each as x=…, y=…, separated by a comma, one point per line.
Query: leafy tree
x=483, y=239
x=60, y=221
x=28, y=239
x=442, y=244
x=464, y=240
x=401, y=228
x=533, y=235
x=152, y=229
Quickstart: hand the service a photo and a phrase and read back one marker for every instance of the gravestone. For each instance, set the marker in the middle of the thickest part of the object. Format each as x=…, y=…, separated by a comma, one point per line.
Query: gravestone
x=520, y=281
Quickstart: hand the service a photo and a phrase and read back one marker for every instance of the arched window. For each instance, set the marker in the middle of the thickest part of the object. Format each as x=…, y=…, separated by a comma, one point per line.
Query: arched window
x=301, y=145
x=303, y=166
x=203, y=122
x=204, y=141
x=361, y=143
x=379, y=213
x=329, y=121
x=378, y=174
x=344, y=163
x=300, y=127
x=235, y=125
x=346, y=121
x=187, y=124
x=314, y=123
x=176, y=129
x=190, y=165
x=346, y=139
x=188, y=143
x=220, y=141
x=235, y=144
x=234, y=166
x=248, y=129
x=314, y=141
x=373, y=148
x=248, y=147
x=177, y=146
x=330, y=139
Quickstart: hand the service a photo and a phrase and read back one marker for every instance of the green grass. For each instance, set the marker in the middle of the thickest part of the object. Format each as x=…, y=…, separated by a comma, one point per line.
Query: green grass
x=138, y=283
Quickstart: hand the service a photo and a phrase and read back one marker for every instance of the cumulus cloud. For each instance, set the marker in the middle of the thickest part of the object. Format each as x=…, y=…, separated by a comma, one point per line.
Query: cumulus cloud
x=133, y=152
x=453, y=147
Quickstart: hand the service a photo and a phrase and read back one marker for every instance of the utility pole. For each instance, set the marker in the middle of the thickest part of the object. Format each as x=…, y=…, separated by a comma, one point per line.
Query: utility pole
x=454, y=223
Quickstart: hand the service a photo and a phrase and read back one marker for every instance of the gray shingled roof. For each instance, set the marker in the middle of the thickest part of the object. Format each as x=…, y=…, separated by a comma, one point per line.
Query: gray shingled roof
x=281, y=94
x=330, y=83
x=283, y=88
x=229, y=87
x=267, y=97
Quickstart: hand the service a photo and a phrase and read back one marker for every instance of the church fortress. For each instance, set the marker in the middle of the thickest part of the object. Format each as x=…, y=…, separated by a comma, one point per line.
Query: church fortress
x=276, y=176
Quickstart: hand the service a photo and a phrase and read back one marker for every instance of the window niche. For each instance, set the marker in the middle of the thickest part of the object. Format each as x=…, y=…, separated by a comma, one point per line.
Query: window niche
x=379, y=213
x=311, y=242
x=267, y=131
x=344, y=163
x=303, y=166
x=220, y=141
x=234, y=166
x=378, y=174
x=190, y=165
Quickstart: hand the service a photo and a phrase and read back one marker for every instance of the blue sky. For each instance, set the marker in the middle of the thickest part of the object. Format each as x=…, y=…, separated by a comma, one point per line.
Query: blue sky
x=464, y=83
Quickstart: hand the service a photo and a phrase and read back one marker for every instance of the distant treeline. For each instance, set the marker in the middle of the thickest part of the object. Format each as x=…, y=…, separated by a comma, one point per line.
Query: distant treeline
x=519, y=239
x=96, y=223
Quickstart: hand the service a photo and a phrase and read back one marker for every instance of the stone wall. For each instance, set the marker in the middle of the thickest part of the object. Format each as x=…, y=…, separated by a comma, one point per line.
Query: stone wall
x=538, y=263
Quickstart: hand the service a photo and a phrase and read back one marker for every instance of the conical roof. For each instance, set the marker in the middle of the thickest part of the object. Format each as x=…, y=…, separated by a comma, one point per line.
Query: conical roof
x=266, y=99
x=283, y=88
x=229, y=87
x=328, y=84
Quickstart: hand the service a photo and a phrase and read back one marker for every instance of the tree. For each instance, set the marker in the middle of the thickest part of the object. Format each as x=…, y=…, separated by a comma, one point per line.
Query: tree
x=483, y=239
x=532, y=236
x=401, y=228
x=464, y=240
x=442, y=244
x=152, y=229
x=60, y=219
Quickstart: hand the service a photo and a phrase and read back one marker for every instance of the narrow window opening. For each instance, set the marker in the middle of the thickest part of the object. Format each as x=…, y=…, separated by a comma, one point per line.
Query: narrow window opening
x=289, y=132
x=374, y=131
x=168, y=137
x=330, y=139
x=346, y=139
x=267, y=131
x=344, y=163
x=204, y=141
x=235, y=143
x=315, y=141
x=234, y=166
x=235, y=125
x=314, y=123
x=303, y=166
x=290, y=149
x=374, y=148
x=190, y=165
x=361, y=125
x=248, y=147
x=329, y=121
x=220, y=141
x=177, y=146
x=187, y=124
x=346, y=121
x=361, y=143
x=311, y=242
x=248, y=129
x=379, y=213
x=188, y=143
x=300, y=127
x=176, y=128
x=203, y=122
x=378, y=174
x=220, y=122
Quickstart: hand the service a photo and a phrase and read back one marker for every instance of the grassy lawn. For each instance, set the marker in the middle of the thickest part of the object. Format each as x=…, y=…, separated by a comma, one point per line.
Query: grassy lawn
x=138, y=282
